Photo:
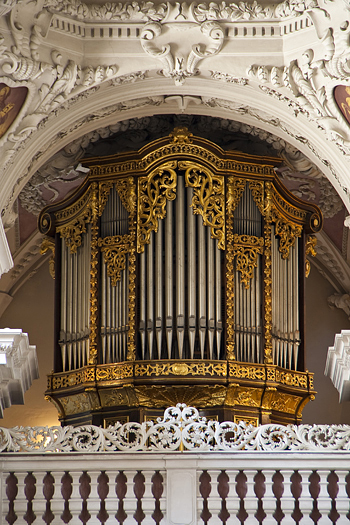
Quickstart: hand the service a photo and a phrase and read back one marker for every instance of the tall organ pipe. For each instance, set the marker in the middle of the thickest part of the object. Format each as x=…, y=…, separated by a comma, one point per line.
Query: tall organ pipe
x=218, y=299
x=69, y=307
x=158, y=278
x=211, y=283
x=143, y=302
x=63, y=331
x=192, y=275
x=150, y=296
x=180, y=263
x=169, y=276
x=202, y=291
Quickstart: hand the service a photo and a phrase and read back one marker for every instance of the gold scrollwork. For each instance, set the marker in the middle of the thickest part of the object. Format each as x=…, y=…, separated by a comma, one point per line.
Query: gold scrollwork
x=181, y=368
x=257, y=373
x=208, y=198
x=286, y=231
x=267, y=280
x=246, y=250
x=154, y=191
x=257, y=189
x=127, y=194
x=181, y=135
x=230, y=279
x=46, y=245
x=104, y=191
x=235, y=189
x=93, y=277
x=114, y=251
x=310, y=249
x=114, y=372
x=81, y=213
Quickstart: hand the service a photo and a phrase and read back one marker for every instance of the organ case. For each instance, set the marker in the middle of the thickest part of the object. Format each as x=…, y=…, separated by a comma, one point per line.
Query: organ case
x=180, y=278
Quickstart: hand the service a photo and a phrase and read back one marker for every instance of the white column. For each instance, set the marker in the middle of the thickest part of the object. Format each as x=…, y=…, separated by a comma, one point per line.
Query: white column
x=305, y=500
x=287, y=499
x=232, y=500
x=130, y=501
x=214, y=500
x=324, y=501
x=250, y=501
x=57, y=501
x=342, y=501
x=269, y=499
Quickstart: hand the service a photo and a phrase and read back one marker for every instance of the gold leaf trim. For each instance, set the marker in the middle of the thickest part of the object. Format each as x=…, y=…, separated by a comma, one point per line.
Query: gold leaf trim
x=246, y=250
x=154, y=191
x=127, y=194
x=114, y=251
x=46, y=245
x=208, y=198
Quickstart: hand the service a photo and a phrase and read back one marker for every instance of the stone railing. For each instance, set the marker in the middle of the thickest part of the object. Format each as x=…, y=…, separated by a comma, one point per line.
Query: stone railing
x=18, y=367
x=286, y=476
x=338, y=364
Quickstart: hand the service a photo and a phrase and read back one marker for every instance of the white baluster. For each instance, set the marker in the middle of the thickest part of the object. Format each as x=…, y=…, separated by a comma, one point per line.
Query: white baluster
x=342, y=501
x=39, y=501
x=57, y=501
x=324, y=501
x=75, y=501
x=232, y=500
x=93, y=501
x=130, y=501
x=21, y=500
x=214, y=499
x=250, y=501
x=269, y=499
x=112, y=500
x=148, y=500
x=287, y=499
x=305, y=500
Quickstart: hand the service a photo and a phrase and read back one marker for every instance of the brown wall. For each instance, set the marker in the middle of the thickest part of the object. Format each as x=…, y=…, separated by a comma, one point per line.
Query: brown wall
x=32, y=311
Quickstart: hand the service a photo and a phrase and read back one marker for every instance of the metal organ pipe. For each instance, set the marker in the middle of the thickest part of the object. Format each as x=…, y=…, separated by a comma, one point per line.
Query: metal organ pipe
x=180, y=263
x=150, y=296
x=218, y=299
x=158, y=282
x=202, y=290
x=63, y=331
x=169, y=276
x=192, y=275
x=211, y=283
x=143, y=302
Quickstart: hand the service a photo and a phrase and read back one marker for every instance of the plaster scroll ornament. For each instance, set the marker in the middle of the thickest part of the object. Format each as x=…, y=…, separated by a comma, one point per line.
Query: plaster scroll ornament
x=341, y=301
x=111, y=11
x=202, y=12
x=6, y=6
x=176, y=66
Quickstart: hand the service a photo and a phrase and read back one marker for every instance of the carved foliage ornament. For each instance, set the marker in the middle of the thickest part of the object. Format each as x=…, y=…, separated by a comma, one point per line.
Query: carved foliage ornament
x=154, y=191
x=208, y=198
x=176, y=66
x=246, y=250
x=115, y=250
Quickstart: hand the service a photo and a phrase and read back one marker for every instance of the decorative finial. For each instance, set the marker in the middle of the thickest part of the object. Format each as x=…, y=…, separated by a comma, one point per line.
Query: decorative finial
x=181, y=135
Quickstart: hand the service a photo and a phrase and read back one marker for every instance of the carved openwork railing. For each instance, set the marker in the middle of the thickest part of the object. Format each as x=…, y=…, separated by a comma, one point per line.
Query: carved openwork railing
x=226, y=474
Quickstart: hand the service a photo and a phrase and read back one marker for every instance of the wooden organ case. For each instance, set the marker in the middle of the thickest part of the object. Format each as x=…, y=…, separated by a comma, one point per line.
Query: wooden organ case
x=179, y=274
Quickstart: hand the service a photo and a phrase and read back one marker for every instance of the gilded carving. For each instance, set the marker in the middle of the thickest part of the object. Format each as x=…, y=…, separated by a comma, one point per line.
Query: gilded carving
x=155, y=396
x=75, y=404
x=93, y=277
x=80, y=214
x=114, y=251
x=131, y=355
x=104, y=191
x=153, y=193
x=285, y=402
x=240, y=371
x=127, y=193
x=246, y=250
x=310, y=249
x=114, y=372
x=181, y=368
x=257, y=189
x=230, y=275
x=286, y=231
x=267, y=294
x=123, y=396
x=208, y=198
x=46, y=245
x=252, y=421
x=181, y=135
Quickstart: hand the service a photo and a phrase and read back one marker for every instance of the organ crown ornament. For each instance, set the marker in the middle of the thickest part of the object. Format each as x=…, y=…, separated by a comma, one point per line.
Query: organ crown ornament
x=179, y=274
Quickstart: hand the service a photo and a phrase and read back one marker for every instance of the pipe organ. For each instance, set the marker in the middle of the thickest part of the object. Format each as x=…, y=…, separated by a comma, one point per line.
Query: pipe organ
x=180, y=275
